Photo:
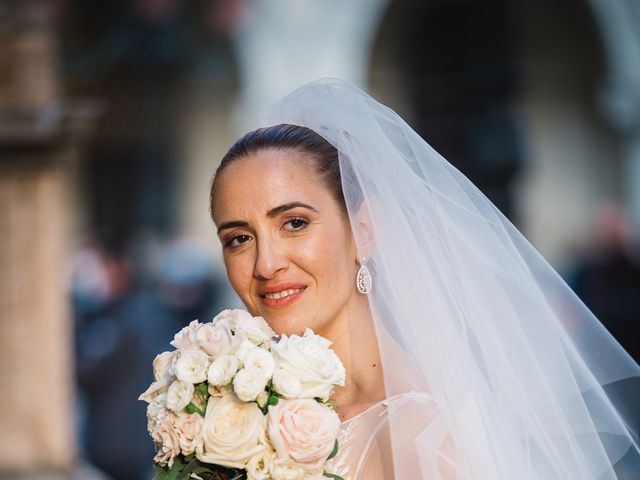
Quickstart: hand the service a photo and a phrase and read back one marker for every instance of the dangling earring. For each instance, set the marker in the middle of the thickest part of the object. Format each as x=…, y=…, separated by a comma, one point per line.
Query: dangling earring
x=363, y=279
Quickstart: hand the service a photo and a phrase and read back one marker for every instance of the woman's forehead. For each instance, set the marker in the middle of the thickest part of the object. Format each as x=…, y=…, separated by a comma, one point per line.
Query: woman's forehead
x=263, y=180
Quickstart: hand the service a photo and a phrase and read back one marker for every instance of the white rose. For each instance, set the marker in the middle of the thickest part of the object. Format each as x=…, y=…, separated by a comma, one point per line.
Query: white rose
x=186, y=338
x=230, y=317
x=214, y=339
x=260, y=359
x=248, y=383
x=286, y=383
x=188, y=427
x=255, y=329
x=233, y=432
x=243, y=348
x=162, y=364
x=258, y=466
x=285, y=469
x=166, y=440
x=311, y=360
x=222, y=370
x=191, y=365
x=179, y=395
x=246, y=326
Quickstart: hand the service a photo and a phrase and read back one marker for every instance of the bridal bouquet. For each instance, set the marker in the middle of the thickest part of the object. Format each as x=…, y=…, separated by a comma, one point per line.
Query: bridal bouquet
x=234, y=402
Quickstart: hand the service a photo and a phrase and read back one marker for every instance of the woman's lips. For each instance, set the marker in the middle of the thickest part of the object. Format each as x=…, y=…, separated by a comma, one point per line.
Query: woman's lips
x=281, y=296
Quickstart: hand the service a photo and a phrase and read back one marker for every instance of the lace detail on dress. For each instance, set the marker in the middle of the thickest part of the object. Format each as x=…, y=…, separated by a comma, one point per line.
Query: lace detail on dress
x=346, y=435
x=396, y=402
x=348, y=461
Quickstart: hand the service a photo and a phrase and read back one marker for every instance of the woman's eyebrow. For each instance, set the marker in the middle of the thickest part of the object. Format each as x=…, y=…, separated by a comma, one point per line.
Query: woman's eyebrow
x=274, y=212
x=288, y=206
x=234, y=224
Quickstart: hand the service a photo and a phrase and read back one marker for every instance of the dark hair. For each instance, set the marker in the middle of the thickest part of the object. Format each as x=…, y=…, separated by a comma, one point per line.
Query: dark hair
x=322, y=155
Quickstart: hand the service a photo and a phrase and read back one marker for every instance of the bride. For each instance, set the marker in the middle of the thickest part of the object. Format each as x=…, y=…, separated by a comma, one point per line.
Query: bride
x=467, y=356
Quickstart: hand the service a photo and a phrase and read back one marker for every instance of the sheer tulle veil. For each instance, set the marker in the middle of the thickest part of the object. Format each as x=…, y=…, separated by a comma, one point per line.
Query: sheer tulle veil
x=528, y=383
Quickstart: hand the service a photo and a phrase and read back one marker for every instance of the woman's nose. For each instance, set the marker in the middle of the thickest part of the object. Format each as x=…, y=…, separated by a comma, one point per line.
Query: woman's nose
x=269, y=261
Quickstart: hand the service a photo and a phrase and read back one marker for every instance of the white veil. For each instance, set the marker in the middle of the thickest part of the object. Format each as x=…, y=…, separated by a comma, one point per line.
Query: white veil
x=529, y=384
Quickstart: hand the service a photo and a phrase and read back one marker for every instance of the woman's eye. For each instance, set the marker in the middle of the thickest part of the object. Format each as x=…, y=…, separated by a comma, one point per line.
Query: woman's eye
x=236, y=241
x=296, y=224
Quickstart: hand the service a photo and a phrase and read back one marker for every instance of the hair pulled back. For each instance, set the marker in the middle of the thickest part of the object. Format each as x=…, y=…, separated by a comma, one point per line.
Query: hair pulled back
x=321, y=155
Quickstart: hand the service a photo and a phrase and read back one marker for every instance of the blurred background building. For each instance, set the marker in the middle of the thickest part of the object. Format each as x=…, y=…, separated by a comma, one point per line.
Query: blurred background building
x=114, y=115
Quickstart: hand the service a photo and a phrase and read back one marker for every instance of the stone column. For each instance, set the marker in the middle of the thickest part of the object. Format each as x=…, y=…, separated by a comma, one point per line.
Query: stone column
x=36, y=147
x=619, y=23
x=284, y=44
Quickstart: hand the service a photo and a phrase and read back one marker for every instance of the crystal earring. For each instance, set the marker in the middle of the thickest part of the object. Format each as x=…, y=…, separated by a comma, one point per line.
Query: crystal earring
x=363, y=279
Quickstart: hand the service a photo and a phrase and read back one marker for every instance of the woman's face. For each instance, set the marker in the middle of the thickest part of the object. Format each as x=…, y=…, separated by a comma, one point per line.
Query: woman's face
x=287, y=246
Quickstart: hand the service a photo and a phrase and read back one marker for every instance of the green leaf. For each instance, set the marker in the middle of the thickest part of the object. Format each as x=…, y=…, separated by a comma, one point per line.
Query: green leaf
x=273, y=400
x=175, y=470
x=332, y=475
x=160, y=472
x=334, y=452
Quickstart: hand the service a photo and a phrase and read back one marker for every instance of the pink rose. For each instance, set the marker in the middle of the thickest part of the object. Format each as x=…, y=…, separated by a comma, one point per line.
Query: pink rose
x=214, y=339
x=166, y=440
x=188, y=427
x=303, y=430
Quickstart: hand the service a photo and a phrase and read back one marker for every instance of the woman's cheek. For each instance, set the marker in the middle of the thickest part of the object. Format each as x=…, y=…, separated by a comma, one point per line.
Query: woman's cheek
x=239, y=274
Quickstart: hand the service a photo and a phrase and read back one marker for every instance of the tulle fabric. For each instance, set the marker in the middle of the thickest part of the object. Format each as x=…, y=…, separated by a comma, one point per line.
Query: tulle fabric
x=528, y=383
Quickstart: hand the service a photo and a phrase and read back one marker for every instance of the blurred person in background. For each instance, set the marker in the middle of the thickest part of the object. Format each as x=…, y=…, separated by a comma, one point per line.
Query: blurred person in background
x=120, y=327
x=122, y=323
x=188, y=286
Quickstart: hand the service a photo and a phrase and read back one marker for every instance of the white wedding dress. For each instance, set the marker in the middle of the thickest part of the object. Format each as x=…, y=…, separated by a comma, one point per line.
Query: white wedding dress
x=364, y=439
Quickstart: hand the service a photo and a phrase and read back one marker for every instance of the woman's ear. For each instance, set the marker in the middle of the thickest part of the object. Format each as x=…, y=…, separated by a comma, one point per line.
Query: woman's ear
x=362, y=229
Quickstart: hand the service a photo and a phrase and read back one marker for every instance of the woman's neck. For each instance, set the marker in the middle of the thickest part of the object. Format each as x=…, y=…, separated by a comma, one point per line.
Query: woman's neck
x=354, y=340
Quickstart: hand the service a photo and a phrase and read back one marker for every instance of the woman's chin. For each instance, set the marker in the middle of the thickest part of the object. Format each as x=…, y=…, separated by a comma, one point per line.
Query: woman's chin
x=287, y=324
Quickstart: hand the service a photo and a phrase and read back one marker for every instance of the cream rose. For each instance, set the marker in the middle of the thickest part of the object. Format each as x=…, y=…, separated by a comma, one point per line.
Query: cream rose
x=214, y=339
x=222, y=370
x=262, y=399
x=258, y=467
x=285, y=469
x=186, y=337
x=188, y=427
x=179, y=395
x=260, y=359
x=155, y=389
x=166, y=440
x=156, y=410
x=162, y=367
x=249, y=383
x=311, y=360
x=286, y=383
x=191, y=365
x=233, y=432
x=303, y=430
